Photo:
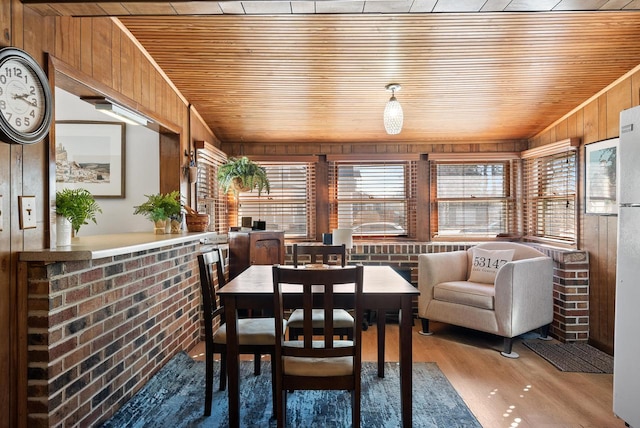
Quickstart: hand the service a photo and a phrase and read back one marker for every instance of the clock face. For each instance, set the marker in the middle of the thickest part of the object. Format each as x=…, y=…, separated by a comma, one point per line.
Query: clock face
x=25, y=98
x=22, y=101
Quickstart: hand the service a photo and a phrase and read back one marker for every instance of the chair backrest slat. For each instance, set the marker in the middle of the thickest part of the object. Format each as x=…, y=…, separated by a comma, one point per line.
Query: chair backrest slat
x=320, y=253
x=318, y=288
x=209, y=264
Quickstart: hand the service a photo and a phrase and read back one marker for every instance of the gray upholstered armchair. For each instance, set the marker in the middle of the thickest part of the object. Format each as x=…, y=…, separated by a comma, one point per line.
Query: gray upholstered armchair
x=502, y=288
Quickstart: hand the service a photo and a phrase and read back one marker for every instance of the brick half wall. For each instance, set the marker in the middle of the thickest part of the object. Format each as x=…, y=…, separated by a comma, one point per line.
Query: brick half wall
x=570, y=277
x=99, y=329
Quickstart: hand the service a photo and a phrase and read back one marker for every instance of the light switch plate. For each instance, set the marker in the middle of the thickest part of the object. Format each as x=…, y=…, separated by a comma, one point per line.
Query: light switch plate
x=1, y=208
x=27, y=206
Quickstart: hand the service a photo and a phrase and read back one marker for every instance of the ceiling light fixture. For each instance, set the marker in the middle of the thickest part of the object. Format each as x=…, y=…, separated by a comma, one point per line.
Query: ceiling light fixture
x=393, y=116
x=116, y=111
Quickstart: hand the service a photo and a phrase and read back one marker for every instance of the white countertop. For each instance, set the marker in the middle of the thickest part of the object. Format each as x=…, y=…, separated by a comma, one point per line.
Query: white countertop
x=99, y=246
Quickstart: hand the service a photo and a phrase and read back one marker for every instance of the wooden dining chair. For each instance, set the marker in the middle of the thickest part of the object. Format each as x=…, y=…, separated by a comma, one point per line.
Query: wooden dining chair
x=321, y=254
x=313, y=363
x=255, y=335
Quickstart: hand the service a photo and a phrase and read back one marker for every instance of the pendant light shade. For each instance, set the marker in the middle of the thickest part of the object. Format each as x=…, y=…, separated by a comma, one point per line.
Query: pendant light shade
x=393, y=116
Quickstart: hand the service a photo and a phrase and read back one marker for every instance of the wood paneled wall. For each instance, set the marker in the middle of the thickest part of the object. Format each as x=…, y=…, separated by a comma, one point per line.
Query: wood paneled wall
x=199, y=131
x=99, y=55
x=598, y=119
x=365, y=149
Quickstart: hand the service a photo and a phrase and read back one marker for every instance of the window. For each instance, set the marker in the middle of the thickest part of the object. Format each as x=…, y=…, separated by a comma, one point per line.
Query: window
x=374, y=198
x=209, y=197
x=549, y=193
x=290, y=205
x=472, y=199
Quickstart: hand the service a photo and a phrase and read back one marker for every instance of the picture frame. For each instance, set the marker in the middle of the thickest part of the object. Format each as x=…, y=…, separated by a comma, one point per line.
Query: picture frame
x=91, y=155
x=601, y=176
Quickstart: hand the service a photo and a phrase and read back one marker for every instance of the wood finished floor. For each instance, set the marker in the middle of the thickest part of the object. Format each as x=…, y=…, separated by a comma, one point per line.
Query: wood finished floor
x=527, y=392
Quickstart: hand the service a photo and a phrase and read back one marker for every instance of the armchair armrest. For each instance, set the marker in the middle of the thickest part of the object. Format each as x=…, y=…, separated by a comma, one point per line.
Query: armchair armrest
x=524, y=295
x=434, y=268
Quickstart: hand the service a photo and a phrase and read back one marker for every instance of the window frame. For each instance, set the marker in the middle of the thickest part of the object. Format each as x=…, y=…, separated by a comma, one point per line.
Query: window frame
x=557, y=151
x=252, y=199
x=510, y=162
x=409, y=165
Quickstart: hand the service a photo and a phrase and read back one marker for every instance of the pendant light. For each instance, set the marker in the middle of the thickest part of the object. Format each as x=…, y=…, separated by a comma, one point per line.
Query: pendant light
x=393, y=115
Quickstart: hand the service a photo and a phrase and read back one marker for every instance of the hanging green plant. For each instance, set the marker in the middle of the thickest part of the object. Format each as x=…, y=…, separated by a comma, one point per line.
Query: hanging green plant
x=160, y=206
x=78, y=206
x=243, y=175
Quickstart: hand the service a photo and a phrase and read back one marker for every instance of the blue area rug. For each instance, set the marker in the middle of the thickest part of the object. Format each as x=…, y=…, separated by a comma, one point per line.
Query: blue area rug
x=174, y=397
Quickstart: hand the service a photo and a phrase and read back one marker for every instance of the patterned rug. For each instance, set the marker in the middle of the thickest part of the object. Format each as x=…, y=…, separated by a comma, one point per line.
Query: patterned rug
x=572, y=356
x=174, y=397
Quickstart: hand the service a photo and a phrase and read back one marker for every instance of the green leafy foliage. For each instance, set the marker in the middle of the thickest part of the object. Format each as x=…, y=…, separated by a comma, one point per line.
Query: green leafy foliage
x=78, y=206
x=160, y=206
x=243, y=175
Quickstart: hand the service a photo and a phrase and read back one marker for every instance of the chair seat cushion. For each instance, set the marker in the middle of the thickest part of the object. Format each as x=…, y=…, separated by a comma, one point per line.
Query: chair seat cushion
x=251, y=331
x=466, y=293
x=323, y=367
x=341, y=318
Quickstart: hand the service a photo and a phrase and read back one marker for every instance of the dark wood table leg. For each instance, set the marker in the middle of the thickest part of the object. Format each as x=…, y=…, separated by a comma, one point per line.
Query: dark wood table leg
x=233, y=362
x=381, y=323
x=406, y=361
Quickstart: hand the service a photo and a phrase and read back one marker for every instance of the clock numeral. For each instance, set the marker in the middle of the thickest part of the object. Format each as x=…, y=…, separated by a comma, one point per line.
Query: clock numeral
x=3, y=104
x=32, y=90
x=22, y=121
x=3, y=79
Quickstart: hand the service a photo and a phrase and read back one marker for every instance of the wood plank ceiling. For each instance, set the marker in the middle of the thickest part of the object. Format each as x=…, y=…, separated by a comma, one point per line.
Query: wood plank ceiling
x=320, y=78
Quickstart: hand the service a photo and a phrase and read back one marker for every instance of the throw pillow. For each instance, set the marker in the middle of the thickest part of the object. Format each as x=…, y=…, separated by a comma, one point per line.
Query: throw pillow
x=486, y=263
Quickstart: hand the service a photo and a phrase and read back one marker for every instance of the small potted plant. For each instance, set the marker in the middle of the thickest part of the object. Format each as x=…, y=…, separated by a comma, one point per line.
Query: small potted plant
x=159, y=208
x=74, y=207
x=243, y=175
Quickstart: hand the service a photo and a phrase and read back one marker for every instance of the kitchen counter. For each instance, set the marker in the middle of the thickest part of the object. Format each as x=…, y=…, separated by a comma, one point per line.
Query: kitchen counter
x=100, y=246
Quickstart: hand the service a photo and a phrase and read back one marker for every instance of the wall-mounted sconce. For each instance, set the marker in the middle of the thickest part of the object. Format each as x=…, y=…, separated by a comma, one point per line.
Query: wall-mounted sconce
x=116, y=111
x=191, y=170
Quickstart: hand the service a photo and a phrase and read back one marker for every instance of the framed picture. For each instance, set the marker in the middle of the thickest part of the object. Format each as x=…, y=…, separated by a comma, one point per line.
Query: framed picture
x=91, y=155
x=601, y=176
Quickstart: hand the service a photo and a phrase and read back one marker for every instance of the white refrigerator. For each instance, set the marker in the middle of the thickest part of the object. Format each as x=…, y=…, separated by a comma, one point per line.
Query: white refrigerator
x=626, y=368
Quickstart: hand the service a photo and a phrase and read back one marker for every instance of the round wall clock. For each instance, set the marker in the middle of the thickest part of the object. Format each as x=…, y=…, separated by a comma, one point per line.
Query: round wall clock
x=25, y=98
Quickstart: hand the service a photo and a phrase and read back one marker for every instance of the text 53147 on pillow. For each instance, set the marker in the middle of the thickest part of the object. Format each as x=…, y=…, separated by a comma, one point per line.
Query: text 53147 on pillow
x=486, y=263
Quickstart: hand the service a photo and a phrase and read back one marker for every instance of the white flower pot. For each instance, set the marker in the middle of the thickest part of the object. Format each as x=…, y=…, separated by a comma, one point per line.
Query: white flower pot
x=63, y=231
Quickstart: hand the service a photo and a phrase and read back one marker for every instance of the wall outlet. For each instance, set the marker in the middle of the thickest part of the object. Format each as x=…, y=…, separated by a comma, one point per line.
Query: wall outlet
x=27, y=205
x=1, y=216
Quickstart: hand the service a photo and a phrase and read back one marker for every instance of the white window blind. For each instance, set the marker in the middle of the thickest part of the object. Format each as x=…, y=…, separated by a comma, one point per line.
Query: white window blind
x=373, y=198
x=290, y=205
x=210, y=198
x=472, y=199
x=549, y=203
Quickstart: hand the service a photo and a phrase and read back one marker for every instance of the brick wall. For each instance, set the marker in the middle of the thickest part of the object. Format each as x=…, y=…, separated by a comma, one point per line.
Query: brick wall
x=99, y=329
x=570, y=277
x=570, y=294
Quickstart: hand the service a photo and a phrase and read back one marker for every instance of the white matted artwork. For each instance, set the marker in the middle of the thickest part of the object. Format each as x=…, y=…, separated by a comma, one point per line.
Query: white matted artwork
x=91, y=155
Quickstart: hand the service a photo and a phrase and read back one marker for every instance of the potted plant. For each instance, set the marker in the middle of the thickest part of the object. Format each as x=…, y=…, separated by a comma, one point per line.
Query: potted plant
x=74, y=207
x=243, y=175
x=159, y=208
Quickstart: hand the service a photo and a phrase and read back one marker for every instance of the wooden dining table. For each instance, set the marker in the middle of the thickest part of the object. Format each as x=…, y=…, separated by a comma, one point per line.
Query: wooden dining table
x=384, y=290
